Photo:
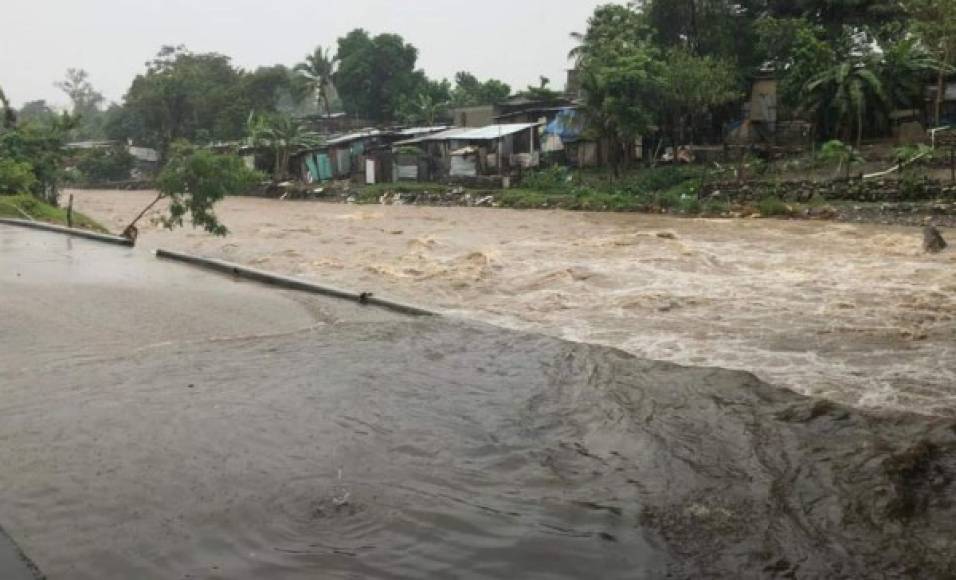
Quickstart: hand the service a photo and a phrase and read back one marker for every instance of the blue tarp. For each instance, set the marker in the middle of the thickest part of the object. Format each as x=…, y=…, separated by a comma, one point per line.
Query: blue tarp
x=568, y=125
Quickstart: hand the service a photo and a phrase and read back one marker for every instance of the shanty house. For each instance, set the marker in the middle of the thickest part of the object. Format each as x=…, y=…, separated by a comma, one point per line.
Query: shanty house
x=337, y=158
x=948, y=104
x=463, y=153
x=364, y=155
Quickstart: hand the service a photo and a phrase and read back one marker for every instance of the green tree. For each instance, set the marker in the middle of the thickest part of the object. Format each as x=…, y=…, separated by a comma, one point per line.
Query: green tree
x=835, y=16
x=192, y=183
x=694, y=85
x=611, y=25
x=189, y=96
x=42, y=148
x=470, y=92
x=266, y=88
x=318, y=69
x=849, y=90
x=798, y=49
x=77, y=87
x=37, y=112
x=87, y=104
x=935, y=23
x=622, y=75
x=722, y=29
x=105, y=165
x=376, y=75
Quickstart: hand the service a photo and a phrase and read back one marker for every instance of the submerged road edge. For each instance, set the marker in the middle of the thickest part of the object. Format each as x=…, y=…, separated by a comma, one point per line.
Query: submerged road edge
x=292, y=283
x=14, y=564
x=118, y=240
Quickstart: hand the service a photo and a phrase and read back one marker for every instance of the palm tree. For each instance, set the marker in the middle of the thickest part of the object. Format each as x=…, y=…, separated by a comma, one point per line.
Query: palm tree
x=577, y=53
x=9, y=119
x=284, y=136
x=847, y=88
x=318, y=69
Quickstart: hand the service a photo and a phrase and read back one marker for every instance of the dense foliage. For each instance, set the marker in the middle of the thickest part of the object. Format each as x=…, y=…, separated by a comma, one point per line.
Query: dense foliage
x=32, y=154
x=103, y=165
x=845, y=65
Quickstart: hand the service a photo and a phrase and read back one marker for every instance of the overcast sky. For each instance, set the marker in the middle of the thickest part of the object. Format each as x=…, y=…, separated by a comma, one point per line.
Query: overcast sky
x=514, y=40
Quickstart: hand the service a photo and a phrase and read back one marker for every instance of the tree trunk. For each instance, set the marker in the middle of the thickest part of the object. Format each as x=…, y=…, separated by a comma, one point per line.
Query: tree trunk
x=859, y=128
x=132, y=225
x=277, y=167
x=695, y=43
x=614, y=155
x=940, y=94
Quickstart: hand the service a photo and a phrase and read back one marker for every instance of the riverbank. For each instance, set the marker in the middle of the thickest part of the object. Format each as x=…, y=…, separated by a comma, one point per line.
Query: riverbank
x=856, y=313
x=25, y=206
x=675, y=193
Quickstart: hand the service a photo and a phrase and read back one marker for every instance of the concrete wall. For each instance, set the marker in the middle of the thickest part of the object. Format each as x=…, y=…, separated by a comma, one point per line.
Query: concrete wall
x=473, y=116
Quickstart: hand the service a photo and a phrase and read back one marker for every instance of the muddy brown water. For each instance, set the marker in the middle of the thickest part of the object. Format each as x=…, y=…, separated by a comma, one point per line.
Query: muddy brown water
x=854, y=313
x=159, y=422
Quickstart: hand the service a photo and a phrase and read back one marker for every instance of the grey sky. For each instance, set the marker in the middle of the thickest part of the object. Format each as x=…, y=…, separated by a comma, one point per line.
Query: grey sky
x=514, y=40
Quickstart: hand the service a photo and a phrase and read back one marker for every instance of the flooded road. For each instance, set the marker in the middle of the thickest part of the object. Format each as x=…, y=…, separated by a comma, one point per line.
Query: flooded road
x=853, y=313
x=161, y=422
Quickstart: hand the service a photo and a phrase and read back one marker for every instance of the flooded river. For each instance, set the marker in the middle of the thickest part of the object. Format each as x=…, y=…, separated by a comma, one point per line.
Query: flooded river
x=853, y=313
x=161, y=422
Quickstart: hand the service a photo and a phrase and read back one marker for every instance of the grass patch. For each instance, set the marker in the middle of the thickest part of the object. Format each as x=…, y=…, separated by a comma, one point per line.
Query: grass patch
x=24, y=205
x=367, y=194
x=773, y=206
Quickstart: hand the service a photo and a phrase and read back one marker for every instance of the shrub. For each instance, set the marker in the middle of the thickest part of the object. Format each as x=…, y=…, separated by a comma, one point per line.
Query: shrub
x=551, y=179
x=689, y=205
x=840, y=154
x=714, y=208
x=660, y=178
x=773, y=206
x=16, y=177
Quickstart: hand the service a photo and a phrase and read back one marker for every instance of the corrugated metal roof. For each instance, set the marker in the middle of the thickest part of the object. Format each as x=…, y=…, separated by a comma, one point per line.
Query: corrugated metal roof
x=414, y=131
x=473, y=134
x=343, y=139
x=534, y=110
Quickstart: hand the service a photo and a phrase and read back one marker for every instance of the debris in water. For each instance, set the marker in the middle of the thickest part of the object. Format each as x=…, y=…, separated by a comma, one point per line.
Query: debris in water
x=933, y=241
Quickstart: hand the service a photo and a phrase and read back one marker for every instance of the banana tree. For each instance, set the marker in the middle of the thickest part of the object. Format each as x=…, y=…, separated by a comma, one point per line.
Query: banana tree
x=840, y=154
x=284, y=136
x=848, y=89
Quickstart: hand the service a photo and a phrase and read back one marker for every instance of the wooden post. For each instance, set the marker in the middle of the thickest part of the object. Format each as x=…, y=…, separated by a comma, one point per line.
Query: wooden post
x=69, y=212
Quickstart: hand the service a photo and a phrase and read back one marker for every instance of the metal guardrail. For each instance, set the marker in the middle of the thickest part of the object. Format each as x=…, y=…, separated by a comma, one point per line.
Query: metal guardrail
x=290, y=283
x=121, y=241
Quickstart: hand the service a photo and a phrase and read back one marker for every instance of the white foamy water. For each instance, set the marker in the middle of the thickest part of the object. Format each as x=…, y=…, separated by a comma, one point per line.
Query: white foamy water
x=854, y=313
